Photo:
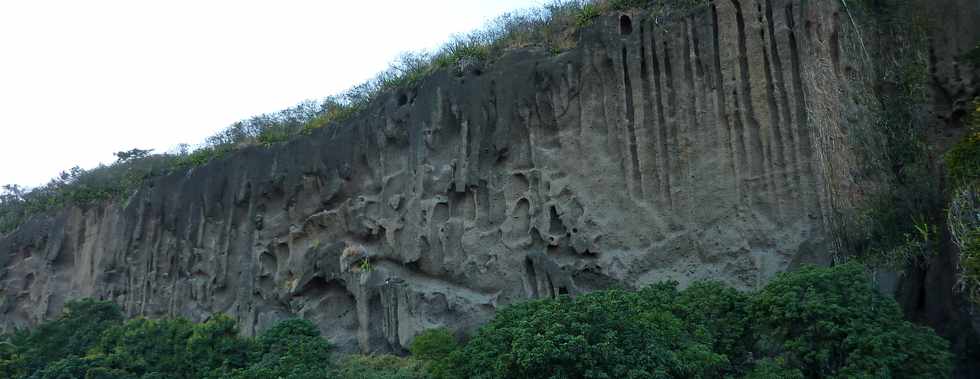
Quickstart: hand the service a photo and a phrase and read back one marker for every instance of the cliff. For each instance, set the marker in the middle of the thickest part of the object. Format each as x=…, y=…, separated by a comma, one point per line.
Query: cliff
x=705, y=144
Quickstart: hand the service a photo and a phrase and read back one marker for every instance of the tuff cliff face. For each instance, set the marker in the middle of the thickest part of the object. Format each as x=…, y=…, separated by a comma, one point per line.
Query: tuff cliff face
x=700, y=145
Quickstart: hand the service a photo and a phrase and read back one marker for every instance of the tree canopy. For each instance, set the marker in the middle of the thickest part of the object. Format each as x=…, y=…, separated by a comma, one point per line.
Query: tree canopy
x=810, y=323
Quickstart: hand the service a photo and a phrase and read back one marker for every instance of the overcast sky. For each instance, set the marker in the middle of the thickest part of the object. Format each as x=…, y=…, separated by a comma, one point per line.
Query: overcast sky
x=80, y=80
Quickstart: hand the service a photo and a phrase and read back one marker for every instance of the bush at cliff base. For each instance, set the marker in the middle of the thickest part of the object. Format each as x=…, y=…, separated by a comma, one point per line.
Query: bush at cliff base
x=831, y=323
x=812, y=323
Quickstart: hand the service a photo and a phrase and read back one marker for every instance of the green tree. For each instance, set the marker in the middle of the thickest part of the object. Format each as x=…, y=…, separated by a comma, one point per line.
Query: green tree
x=214, y=347
x=291, y=349
x=433, y=347
x=773, y=369
x=433, y=344
x=68, y=368
x=125, y=156
x=723, y=314
x=77, y=330
x=379, y=367
x=831, y=323
x=81, y=368
x=142, y=346
x=606, y=334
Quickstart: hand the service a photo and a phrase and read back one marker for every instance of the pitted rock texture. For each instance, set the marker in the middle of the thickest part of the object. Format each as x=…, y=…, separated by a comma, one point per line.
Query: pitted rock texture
x=701, y=145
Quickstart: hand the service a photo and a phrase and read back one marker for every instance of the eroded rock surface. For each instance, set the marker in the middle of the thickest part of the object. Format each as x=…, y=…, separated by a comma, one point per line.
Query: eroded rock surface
x=701, y=145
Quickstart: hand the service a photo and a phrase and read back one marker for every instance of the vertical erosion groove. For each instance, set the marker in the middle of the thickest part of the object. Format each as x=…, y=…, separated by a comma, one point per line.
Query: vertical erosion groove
x=739, y=143
x=611, y=111
x=789, y=163
x=754, y=144
x=631, y=126
x=670, y=143
x=802, y=135
x=720, y=107
x=835, y=45
x=650, y=157
x=661, y=123
x=690, y=54
x=777, y=169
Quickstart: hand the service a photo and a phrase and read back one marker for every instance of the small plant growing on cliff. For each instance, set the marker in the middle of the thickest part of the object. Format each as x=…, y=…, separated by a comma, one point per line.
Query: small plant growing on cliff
x=365, y=265
x=585, y=16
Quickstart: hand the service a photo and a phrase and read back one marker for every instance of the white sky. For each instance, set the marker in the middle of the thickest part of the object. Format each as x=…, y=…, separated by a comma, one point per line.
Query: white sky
x=80, y=80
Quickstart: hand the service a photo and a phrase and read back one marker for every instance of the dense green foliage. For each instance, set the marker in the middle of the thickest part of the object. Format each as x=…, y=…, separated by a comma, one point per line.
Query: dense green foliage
x=75, y=332
x=812, y=323
x=91, y=341
x=612, y=333
x=291, y=349
x=433, y=344
x=380, y=367
x=831, y=323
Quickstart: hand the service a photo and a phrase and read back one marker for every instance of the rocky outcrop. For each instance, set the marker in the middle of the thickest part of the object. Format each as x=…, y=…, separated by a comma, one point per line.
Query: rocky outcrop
x=682, y=146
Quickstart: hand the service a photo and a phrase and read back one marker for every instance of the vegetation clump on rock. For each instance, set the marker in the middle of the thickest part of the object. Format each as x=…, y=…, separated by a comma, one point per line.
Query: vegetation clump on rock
x=963, y=212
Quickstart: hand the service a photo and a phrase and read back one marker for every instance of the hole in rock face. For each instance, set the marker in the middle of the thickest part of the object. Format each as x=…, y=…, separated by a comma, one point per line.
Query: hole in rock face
x=402, y=99
x=625, y=25
x=316, y=287
x=957, y=116
x=562, y=290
